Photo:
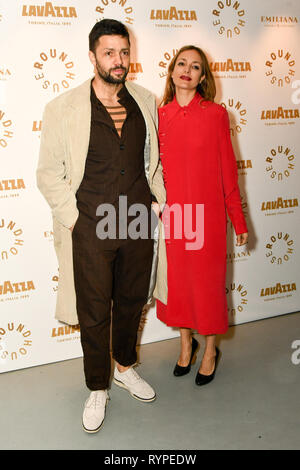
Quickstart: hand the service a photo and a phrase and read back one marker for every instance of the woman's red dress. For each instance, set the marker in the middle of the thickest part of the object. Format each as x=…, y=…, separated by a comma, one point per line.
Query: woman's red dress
x=199, y=168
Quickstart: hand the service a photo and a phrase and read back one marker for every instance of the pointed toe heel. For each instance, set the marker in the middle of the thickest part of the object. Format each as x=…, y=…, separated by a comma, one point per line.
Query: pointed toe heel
x=206, y=379
x=179, y=371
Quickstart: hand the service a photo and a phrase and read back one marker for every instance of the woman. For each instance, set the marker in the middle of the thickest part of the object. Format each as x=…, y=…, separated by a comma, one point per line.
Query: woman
x=199, y=168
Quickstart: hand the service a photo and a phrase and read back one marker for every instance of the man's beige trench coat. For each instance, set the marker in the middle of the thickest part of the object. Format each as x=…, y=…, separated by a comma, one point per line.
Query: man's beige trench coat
x=63, y=151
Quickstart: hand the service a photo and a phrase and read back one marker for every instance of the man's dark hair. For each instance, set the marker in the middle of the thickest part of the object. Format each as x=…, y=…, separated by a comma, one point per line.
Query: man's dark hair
x=107, y=27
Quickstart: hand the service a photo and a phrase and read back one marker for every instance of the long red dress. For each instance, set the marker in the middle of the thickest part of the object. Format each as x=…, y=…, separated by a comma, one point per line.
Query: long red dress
x=199, y=167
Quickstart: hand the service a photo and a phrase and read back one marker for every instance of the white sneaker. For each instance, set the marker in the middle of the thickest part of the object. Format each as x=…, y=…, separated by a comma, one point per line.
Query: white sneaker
x=137, y=387
x=94, y=411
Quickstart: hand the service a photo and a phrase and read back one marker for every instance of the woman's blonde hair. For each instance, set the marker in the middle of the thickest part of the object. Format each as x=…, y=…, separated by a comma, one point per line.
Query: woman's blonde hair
x=207, y=88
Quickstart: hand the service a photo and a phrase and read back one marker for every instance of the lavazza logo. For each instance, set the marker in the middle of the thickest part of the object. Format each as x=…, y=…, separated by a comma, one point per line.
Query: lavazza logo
x=280, y=163
x=6, y=129
x=280, y=116
x=135, y=71
x=54, y=70
x=173, y=18
x=243, y=166
x=66, y=333
x=118, y=9
x=280, y=206
x=280, y=68
x=231, y=68
x=15, y=341
x=238, y=119
x=11, y=187
x=49, y=14
x=280, y=290
x=11, y=290
x=10, y=239
x=229, y=18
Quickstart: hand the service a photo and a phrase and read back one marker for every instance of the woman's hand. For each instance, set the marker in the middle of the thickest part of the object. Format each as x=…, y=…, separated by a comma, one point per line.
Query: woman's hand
x=156, y=208
x=242, y=239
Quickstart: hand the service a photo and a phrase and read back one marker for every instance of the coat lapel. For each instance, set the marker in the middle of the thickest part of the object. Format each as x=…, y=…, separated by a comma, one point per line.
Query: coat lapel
x=78, y=130
x=150, y=166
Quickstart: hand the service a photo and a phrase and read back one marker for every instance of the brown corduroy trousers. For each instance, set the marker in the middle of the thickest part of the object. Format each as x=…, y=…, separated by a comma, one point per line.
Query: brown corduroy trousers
x=112, y=279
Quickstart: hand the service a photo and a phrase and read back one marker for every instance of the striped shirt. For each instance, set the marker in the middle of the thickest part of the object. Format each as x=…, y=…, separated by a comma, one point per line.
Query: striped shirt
x=118, y=115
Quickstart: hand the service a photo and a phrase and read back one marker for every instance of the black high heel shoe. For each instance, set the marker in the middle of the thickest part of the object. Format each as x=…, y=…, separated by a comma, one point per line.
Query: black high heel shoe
x=205, y=379
x=179, y=370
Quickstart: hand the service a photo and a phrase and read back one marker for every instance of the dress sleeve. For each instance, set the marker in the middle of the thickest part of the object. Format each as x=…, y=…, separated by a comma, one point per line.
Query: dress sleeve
x=230, y=177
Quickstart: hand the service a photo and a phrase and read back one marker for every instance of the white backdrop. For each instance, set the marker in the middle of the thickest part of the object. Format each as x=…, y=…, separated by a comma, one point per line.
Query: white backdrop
x=253, y=48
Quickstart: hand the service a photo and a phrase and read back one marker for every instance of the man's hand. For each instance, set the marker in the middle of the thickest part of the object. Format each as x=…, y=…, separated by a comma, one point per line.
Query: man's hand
x=71, y=228
x=242, y=239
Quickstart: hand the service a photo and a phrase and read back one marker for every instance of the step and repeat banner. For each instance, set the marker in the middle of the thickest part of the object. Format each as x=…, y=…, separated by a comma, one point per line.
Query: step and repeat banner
x=253, y=50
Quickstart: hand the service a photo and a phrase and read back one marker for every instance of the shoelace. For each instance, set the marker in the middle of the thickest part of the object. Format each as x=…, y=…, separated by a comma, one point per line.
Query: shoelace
x=96, y=400
x=135, y=376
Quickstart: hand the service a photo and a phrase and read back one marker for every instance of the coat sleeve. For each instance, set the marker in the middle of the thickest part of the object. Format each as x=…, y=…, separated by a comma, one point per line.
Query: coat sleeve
x=230, y=177
x=52, y=178
x=158, y=180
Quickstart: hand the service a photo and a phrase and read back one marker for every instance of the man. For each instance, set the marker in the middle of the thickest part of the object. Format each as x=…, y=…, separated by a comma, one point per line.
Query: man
x=99, y=145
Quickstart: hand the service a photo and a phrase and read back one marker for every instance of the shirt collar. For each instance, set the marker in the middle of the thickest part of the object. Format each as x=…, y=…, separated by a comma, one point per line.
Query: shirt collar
x=125, y=99
x=123, y=95
x=195, y=101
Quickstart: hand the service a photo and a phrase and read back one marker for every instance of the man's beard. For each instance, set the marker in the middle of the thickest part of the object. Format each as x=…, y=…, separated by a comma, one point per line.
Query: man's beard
x=108, y=78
